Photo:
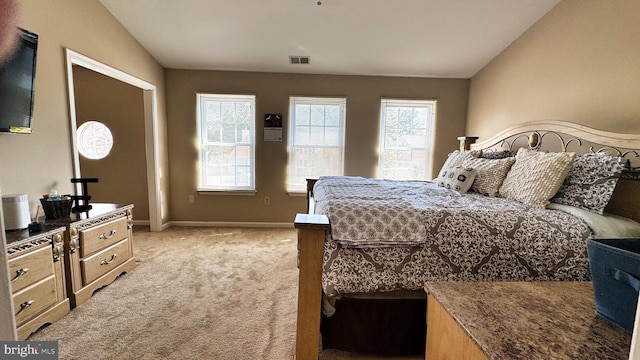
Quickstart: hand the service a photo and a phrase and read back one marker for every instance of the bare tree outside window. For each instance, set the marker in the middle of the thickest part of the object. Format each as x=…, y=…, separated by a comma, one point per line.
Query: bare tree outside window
x=227, y=142
x=316, y=139
x=406, y=139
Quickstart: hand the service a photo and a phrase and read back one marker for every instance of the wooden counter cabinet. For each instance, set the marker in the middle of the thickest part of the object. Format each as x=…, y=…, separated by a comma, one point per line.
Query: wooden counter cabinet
x=36, y=268
x=446, y=340
x=536, y=320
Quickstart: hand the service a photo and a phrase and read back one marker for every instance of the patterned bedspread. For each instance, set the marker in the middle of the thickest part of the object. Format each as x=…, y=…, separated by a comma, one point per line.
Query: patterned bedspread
x=393, y=235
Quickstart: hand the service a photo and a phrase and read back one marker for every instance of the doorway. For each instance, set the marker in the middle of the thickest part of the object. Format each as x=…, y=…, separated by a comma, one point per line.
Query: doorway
x=149, y=102
x=110, y=135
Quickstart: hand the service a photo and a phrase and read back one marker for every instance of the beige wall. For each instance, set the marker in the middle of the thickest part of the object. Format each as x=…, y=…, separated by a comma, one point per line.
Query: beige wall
x=272, y=96
x=122, y=174
x=578, y=63
x=36, y=163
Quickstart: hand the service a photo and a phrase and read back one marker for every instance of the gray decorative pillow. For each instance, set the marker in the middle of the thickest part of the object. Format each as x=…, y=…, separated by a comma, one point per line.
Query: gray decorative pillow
x=457, y=178
x=456, y=157
x=491, y=173
x=536, y=176
x=497, y=154
x=591, y=181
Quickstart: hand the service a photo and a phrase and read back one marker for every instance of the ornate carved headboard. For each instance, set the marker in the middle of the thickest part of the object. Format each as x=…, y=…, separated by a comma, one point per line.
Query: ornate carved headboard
x=561, y=136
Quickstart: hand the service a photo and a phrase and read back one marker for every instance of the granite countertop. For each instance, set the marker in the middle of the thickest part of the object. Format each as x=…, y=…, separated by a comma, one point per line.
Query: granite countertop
x=18, y=241
x=13, y=237
x=532, y=320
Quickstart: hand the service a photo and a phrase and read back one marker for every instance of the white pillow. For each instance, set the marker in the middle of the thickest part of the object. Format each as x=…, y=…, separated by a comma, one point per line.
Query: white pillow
x=457, y=178
x=491, y=173
x=605, y=226
x=455, y=159
x=536, y=176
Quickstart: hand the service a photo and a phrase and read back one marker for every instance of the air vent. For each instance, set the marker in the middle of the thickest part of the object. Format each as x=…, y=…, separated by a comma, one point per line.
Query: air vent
x=298, y=60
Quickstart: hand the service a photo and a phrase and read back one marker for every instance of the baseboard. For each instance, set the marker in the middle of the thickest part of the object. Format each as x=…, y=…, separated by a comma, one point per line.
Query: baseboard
x=240, y=224
x=165, y=226
x=141, y=222
x=147, y=223
x=232, y=224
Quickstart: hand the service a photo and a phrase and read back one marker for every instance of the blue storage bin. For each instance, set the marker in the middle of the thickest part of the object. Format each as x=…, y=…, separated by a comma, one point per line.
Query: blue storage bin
x=615, y=271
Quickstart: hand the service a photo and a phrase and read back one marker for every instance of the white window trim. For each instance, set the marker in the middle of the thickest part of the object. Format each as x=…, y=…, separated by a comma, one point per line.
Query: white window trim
x=236, y=190
x=313, y=100
x=205, y=191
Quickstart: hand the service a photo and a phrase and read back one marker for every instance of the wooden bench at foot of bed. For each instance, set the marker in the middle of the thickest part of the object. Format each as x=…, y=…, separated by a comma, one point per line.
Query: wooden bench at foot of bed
x=311, y=232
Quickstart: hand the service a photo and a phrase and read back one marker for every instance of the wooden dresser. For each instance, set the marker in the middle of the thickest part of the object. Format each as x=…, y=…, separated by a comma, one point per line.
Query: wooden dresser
x=98, y=247
x=519, y=320
x=36, y=268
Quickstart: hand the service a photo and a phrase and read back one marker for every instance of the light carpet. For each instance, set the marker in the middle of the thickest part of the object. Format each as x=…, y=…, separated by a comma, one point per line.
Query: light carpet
x=197, y=293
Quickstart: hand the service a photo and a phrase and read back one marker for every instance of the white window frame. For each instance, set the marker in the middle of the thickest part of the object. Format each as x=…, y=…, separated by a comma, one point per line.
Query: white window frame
x=299, y=186
x=427, y=145
x=203, y=186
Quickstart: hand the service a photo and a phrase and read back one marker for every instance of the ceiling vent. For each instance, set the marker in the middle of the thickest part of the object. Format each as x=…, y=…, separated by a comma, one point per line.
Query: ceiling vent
x=298, y=60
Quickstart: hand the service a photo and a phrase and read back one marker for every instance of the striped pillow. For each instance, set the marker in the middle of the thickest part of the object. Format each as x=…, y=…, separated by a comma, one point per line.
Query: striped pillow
x=535, y=177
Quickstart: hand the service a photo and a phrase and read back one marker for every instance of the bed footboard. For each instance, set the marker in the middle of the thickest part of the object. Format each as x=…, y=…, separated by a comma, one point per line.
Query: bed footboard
x=311, y=233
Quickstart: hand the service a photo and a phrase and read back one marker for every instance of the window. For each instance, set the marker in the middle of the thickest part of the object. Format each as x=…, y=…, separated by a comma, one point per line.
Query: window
x=316, y=139
x=226, y=133
x=406, y=136
x=94, y=140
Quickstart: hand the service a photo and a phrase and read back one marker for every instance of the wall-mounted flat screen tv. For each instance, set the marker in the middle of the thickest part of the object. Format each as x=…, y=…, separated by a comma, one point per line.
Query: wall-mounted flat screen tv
x=17, y=80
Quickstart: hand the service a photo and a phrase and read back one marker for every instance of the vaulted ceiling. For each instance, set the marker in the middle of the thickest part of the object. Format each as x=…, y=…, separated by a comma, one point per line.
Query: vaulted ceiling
x=423, y=38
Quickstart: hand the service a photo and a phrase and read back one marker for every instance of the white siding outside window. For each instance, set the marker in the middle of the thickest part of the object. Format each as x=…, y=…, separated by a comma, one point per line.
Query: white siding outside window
x=406, y=139
x=316, y=139
x=226, y=133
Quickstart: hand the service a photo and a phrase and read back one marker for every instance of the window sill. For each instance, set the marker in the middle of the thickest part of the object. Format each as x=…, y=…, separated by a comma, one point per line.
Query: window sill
x=301, y=193
x=227, y=192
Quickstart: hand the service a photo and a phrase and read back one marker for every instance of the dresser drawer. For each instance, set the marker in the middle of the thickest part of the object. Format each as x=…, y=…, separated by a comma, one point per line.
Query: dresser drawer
x=99, y=237
x=102, y=262
x=27, y=269
x=32, y=300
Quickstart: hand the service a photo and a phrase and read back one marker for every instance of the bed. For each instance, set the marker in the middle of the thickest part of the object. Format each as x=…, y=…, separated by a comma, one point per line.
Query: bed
x=486, y=217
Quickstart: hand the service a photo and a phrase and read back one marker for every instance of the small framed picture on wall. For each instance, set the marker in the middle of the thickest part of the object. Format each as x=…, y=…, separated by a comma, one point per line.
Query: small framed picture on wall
x=272, y=127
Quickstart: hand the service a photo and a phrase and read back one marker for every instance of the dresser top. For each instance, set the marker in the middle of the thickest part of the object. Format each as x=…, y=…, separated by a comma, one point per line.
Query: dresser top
x=532, y=320
x=19, y=241
x=98, y=210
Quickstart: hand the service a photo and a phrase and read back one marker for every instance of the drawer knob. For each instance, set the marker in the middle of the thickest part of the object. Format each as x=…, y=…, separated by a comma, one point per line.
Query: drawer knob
x=24, y=305
x=107, y=262
x=105, y=236
x=20, y=273
x=57, y=238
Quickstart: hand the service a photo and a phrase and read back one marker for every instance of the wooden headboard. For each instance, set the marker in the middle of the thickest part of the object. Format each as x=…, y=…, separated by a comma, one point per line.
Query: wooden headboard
x=560, y=136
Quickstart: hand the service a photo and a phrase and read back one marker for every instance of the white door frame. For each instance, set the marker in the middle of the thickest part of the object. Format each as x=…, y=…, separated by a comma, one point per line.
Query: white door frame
x=150, y=126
